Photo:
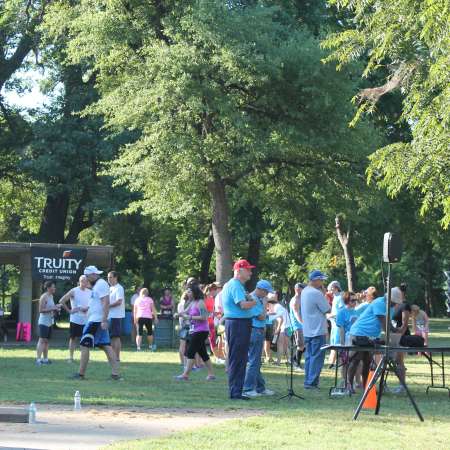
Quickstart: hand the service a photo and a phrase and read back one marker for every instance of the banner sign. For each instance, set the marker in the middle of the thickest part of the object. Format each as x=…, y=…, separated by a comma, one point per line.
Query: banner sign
x=57, y=264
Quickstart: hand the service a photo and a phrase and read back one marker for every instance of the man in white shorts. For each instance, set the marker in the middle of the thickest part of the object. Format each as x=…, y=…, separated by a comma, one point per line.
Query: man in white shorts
x=79, y=304
x=95, y=332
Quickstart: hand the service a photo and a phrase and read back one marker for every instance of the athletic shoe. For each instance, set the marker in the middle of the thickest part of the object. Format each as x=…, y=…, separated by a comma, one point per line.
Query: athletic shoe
x=77, y=376
x=116, y=377
x=181, y=378
x=70, y=361
x=242, y=397
x=251, y=394
x=298, y=369
x=38, y=362
x=267, y=392
x=311, y=387
x=138, y=349
x=210, y=378
x=46, y=362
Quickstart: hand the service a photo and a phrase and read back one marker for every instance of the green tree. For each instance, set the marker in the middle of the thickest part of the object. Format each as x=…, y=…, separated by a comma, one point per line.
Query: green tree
x=214, y=100
x=409, y=41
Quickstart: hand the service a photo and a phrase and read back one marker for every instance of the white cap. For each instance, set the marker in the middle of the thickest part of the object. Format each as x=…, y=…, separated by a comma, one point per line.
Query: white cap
x=89, y=270
x=396, y=296
x=334, y=284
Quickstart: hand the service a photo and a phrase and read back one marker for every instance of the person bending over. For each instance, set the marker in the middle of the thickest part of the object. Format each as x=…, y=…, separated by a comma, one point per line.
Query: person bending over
x=95, y=332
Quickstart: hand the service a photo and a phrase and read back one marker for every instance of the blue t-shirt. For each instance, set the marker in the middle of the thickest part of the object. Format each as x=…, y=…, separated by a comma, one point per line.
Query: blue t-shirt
x=337, y=304
x=257, y=310
x=361, y=308
x=232, y=294
x=368, y=323
x=345, y=318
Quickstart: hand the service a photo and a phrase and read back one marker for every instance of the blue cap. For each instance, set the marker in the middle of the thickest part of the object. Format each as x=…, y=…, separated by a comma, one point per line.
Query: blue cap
x=316, y=275
x=264, y=284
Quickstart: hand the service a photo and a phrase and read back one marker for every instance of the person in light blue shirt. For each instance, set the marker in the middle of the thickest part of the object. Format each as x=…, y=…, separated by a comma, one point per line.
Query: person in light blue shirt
x=233, y=294
x=335, y=288
x=371, y=321
x=297, y=325
x=254, y=384
x=237, y=309
x=370, y=324
x=346, y=317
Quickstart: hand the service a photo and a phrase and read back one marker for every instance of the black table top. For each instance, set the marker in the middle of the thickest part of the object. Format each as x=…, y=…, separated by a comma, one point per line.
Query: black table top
x=382, y=348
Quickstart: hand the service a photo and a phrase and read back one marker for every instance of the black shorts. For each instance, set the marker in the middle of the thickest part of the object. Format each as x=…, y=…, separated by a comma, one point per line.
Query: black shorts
x=45, y=332
x=75, y=330
x=115, y=328
x=269, y=332
x=145, y=321
x=197, y=344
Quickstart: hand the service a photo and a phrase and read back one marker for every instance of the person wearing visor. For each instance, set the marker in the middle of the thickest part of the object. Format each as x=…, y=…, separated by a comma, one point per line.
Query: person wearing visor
x=237, y=309
x=254, y=384
x=95, y=332
x=313, y=310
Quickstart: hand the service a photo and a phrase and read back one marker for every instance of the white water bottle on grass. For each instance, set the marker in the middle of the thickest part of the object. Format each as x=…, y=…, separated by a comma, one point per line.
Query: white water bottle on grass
x=32, y=413
x=77, y=401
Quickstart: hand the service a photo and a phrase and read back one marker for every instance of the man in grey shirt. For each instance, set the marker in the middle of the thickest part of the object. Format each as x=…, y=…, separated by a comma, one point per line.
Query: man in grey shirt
x=313, y=309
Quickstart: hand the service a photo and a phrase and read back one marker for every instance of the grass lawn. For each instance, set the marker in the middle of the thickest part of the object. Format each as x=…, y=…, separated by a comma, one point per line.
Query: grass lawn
x=316, y=422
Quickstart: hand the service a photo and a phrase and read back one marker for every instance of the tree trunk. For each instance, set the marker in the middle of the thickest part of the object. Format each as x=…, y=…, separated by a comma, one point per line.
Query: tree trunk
x=345, y=239
x=205, y=257
x=254, y=247
x=81, y=219
x=221, y=231
x=428, y=272
x=53, y=222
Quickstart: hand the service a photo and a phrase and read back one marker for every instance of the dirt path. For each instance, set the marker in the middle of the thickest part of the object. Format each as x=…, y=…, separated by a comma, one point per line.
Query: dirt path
x=60, y=428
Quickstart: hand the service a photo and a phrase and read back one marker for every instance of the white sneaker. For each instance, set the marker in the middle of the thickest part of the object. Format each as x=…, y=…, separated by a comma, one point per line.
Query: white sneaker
x=138, y=349
x=299, y=369
x=251, y=394
x=267, y=392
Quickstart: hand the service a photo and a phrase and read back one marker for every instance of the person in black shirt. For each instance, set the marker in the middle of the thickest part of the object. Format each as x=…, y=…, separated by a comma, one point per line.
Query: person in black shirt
x=400, y=321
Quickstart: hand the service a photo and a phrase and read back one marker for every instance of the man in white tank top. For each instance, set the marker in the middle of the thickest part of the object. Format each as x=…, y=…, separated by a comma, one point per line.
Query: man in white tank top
x=79, y=304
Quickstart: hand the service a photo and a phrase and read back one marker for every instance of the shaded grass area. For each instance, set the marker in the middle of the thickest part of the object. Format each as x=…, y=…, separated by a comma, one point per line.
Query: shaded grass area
x=316, y=422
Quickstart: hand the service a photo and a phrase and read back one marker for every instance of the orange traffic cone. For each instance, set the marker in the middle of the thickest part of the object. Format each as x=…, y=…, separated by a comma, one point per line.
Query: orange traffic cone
x=371, y=400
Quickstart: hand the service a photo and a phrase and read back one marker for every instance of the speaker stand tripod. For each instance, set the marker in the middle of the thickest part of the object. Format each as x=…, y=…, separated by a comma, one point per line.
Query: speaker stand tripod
x=385, y=366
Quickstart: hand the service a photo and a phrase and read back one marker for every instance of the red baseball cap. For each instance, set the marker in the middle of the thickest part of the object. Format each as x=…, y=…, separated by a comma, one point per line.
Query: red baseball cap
x=242, y=264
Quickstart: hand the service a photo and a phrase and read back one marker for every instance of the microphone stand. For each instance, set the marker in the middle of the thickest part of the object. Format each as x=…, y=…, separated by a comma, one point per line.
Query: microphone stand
x=290, y=392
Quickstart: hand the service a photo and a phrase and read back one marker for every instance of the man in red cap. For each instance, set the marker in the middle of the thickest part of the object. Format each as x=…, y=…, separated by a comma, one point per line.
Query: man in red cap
x=237, y=309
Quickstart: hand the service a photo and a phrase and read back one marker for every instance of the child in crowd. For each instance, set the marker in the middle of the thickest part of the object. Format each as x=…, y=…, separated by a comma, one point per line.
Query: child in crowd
x=420, y=323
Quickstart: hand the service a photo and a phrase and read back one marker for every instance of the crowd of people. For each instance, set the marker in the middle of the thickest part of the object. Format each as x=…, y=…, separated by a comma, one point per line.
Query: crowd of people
x=239, y=329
